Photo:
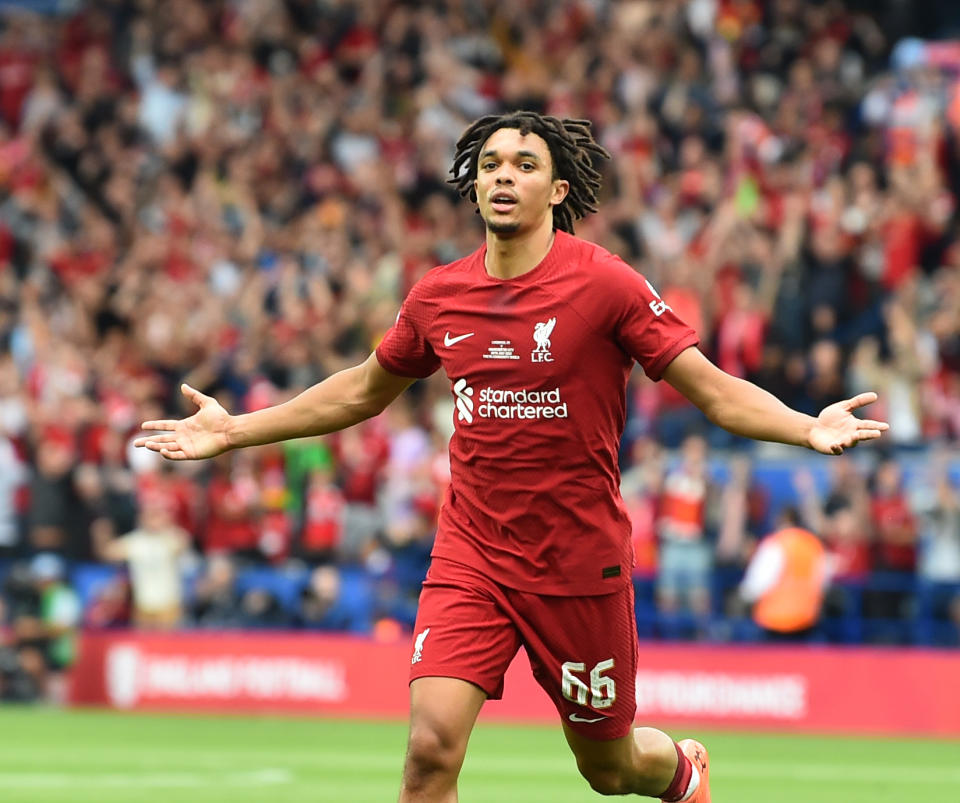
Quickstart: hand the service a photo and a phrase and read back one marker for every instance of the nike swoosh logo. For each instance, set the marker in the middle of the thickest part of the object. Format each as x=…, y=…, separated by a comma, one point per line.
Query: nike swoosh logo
x=578, y=718
x=449, y=341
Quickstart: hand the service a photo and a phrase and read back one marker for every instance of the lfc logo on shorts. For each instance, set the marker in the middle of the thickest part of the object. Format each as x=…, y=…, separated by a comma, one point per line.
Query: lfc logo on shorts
x=418, y=647
x=541, y=336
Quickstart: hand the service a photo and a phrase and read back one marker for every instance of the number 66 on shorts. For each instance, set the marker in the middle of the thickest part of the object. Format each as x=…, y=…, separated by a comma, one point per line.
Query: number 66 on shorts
x=602, y=691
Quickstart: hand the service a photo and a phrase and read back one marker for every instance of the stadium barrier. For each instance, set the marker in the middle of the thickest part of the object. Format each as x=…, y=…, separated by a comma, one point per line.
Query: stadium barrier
x=826, y=689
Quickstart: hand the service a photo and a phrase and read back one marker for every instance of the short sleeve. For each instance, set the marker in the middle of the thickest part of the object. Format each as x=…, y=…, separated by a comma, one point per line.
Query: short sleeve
x=647, y=328
x=405, y=350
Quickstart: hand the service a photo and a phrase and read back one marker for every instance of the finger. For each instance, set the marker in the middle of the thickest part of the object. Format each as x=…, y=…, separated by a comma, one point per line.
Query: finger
x=860, y=400
x=165, y=424
x=868, y=434
x=195, y=395
x=173, y=454
x=883, y=426
x=158, y=446
x=166, y=438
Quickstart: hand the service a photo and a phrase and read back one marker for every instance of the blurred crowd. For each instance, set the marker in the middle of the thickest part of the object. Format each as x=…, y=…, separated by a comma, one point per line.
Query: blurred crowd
x=239, y=193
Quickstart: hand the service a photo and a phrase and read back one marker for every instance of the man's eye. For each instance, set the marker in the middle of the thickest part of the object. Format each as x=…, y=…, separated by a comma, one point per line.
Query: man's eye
x=487, y=165
x=527, y=166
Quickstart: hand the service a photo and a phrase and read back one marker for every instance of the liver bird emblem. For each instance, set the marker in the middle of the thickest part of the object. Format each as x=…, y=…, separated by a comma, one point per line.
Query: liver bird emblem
x=541, y=334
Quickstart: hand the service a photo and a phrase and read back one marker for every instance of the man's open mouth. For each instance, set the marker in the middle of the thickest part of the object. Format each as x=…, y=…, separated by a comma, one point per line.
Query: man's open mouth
x=502, y=202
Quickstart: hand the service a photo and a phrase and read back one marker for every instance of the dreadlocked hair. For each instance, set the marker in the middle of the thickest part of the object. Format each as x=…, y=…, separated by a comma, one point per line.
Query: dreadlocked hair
x=572, y=149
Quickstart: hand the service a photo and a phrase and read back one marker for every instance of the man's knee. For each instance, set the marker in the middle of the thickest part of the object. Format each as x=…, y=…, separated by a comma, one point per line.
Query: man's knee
x=433, y=750
x=442, y=713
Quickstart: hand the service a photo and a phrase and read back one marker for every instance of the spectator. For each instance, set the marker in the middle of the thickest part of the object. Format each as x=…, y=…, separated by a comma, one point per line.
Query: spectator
x=785, y=580
x=153, y=555
x=275, y=524
x=261, y=609
x=843, y=517
x=323, y=518
x=324, y=605
x=110, y=605
x=406, y=555
x=895, y=550
x=22, y=664
x=937, y=504
x=686, y=560
x=361, y=453
x=743, y=508
x=119, y=483
x=12, y=475
x=51, y=497
x=233, y=507
x=46, y=626
x=894, y=522
x=641, y=487
x=215, y=601
x=90, y=522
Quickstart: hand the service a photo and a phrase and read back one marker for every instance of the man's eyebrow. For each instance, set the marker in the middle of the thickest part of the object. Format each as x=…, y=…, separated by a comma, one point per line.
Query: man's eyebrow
x=523, y=154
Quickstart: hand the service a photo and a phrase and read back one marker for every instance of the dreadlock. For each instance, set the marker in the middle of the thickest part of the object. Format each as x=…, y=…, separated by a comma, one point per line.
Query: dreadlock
x=572, y=149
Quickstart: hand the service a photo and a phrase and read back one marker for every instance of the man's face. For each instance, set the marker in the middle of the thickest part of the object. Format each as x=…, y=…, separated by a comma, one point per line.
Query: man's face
x=515, y=185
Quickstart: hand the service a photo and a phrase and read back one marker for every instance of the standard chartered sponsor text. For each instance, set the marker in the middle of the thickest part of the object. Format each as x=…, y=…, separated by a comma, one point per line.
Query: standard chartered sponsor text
x=521, y=403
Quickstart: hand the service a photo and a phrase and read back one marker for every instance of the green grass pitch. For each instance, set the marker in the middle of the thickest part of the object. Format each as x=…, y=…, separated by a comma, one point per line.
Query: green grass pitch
x=50, y=756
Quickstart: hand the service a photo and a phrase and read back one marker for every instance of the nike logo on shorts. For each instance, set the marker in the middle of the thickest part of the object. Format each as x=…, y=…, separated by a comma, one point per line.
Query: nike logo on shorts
x=578, y=718
x=449, y=341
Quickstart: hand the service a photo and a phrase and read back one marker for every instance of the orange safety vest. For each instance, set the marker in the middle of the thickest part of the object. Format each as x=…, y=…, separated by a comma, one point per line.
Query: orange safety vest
x=793, y=603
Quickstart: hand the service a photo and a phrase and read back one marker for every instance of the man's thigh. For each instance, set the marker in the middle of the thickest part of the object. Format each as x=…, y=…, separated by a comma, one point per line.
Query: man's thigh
x=462, y=630
x=583, y=651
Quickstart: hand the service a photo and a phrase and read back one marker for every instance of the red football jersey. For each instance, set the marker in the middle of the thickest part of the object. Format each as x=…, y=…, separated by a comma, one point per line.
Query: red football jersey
x=538, y=369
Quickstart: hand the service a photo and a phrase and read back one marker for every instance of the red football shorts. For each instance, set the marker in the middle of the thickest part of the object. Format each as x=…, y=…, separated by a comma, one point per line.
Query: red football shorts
x=583, y=650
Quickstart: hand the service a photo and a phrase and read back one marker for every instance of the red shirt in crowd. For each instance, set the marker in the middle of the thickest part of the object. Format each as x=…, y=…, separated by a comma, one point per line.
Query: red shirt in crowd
x=323, y=519
x=896, y=528
x=232, y=505
x=683, y=505
x=538, y=367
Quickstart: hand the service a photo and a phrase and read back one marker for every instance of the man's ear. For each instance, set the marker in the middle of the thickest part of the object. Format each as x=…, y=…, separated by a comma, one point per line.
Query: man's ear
x=561, y=188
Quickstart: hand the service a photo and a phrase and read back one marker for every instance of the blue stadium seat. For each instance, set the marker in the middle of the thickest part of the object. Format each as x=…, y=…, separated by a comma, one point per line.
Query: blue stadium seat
x=283, y=585
x=89, y=579
x=357, y=598
x=645, y=606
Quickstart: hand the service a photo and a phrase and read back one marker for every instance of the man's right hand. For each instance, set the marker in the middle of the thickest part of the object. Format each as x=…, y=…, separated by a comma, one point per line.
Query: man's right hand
x=204, y=434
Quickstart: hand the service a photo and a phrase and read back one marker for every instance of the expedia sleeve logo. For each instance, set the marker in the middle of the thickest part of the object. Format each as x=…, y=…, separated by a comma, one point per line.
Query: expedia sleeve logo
x=658, y=306
x=508, y=404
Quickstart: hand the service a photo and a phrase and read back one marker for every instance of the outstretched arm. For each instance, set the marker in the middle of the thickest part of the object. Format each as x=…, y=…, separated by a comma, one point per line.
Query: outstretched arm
x=339, y=401
x=744, y=409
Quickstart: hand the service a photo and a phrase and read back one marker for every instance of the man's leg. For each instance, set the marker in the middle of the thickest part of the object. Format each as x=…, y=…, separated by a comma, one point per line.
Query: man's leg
x=463, y=645
x=642, y=762
x=645, y=762
x=442, y=713
x=583, y=651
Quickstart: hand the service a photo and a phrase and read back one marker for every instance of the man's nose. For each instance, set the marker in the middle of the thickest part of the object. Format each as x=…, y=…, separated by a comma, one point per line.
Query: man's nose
x=504, y=178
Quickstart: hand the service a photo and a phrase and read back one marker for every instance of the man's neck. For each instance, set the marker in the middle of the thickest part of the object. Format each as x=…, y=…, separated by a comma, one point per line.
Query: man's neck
x=510, y=257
